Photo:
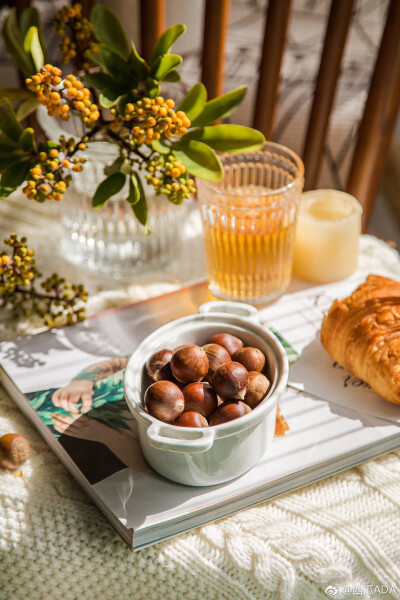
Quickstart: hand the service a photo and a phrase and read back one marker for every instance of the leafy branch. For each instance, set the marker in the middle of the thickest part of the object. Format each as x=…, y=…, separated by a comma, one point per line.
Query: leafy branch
x=158, y=142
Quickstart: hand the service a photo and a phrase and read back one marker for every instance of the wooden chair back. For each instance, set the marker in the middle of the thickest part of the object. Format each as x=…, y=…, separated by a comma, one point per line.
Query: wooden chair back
x=381, y=108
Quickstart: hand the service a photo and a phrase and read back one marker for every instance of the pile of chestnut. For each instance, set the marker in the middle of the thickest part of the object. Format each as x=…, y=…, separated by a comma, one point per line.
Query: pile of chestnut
x=197, y=386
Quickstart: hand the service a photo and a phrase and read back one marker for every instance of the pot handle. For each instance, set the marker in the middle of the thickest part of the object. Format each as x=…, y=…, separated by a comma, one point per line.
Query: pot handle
x=238, y=309
x=200, y=444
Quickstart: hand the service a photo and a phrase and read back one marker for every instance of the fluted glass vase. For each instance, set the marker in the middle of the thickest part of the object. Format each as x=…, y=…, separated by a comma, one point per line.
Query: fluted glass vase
x=110, y=241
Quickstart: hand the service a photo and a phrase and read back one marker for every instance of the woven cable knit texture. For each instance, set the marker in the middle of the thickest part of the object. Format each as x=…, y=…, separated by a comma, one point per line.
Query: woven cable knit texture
x=54, y=543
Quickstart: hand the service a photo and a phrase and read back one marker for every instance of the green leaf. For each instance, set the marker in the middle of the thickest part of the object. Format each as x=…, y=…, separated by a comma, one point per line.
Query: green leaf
x=138, y=64
x=32, y=46
x=199, y=159
x=134, y=192
x=14, y=44
x=164, y=64
x=10, y=126
x=228, y=138
x=115, y=167
x=15, y=94
x=117, y=67
x=15, y=174
x=7, y=145
x=6, y=159
x=140, y=206
x=107, y=188
x=121, y=164
x=166, y=40
x=30, y=18
x=26, y=108
x=194, y=101
x=48, y=145
x=172, y=77
x=220, y=107
x=108, y=98
x=6, y=191
x=27, y=140
x=102, y=81
x=153, y=88
x=109, y=31
x=160, y=147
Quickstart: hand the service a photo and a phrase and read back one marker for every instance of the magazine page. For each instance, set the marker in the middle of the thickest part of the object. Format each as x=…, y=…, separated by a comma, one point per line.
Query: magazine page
x=318, y=432
x=73, y=378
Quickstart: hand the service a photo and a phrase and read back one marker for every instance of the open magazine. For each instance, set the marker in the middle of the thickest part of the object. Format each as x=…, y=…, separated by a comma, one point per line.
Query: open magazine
x=51, y=374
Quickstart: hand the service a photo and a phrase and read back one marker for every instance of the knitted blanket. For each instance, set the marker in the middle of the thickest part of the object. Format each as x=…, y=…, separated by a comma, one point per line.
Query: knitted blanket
x=338, y=537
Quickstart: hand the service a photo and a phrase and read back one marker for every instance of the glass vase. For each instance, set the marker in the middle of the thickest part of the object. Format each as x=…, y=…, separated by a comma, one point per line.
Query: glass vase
x=110, y=241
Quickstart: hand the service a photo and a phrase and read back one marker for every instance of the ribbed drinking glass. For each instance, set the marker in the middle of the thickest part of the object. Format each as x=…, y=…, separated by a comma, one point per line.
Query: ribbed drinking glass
x=249, y=221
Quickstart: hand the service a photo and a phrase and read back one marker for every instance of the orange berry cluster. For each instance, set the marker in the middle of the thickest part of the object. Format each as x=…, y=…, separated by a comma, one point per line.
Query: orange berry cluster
x=150, y=119
x=79, y=97
x=82, y=30
x=60, y=95
x=47, y=179
x=168, y=176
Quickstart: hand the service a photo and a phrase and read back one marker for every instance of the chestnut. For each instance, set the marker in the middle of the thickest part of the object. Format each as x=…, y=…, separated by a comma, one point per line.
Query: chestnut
x=217, y=356
x=251, y=358
x=191, y=419
x=231, y=381
x=164, y=401
x=228, y=411
x=157, y=366
x=14, y=450
x=183, y=346
x=230, y=342
x=201, y=398
x=189, y=364
x=258, y=387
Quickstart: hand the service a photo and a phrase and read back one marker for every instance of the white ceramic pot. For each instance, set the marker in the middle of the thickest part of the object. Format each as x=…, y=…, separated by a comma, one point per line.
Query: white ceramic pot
x=211, y=455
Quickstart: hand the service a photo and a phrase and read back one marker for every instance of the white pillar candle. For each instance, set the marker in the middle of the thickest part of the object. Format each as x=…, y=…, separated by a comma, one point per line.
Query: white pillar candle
x=327, y=235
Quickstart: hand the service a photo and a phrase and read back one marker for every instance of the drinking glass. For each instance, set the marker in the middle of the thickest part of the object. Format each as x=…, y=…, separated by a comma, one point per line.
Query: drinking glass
x=249, y=220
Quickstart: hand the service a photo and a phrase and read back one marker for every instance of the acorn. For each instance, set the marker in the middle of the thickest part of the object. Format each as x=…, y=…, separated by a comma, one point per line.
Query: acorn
x=191, y=419
x=14, y=450
x=201, y=398
x=258, y=387
x=157, y=366
x=217, y=356
x=251, y=358
x=189, y=364
x=230, y=342
x=228, y=411
x=231, y=381
x=164, y=401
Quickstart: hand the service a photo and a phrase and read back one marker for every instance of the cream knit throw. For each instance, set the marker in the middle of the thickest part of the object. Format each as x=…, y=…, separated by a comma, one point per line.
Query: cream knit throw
x=345, y=530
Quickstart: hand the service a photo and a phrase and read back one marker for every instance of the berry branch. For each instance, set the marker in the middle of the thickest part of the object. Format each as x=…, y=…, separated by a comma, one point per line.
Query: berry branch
x=57, y=300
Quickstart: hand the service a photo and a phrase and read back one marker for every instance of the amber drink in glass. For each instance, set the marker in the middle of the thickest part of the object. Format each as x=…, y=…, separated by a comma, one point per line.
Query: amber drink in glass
x=249, y=221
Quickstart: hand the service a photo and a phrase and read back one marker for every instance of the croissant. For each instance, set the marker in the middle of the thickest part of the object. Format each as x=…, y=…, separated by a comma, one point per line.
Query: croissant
x=362, y=333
